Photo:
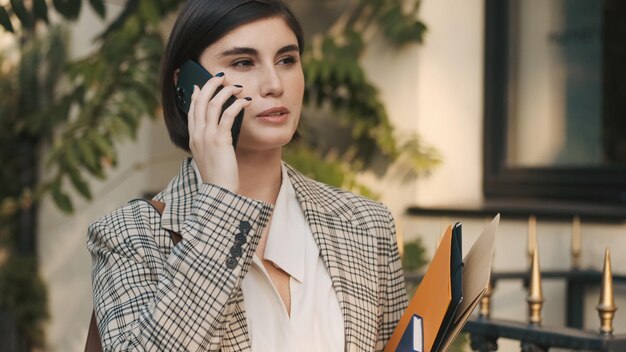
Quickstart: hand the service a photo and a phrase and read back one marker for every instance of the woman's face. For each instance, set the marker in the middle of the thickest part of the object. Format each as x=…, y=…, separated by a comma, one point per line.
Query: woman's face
x=262, y=56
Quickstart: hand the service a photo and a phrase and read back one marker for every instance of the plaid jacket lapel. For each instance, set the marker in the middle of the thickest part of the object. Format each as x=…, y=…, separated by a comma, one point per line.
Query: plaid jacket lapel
x=349, y=253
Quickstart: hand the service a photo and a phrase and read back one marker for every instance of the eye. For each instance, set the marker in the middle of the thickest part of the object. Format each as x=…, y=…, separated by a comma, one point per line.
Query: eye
x=243, y=63
x=288, y=60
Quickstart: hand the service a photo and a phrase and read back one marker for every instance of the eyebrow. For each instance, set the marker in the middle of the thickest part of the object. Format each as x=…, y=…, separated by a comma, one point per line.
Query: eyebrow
x=252, y=51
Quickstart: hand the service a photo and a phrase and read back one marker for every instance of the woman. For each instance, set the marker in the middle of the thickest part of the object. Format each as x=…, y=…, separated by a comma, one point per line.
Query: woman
x=269, y=259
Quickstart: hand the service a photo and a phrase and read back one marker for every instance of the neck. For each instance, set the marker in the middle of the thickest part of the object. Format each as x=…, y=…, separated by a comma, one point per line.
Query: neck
x=260, y=174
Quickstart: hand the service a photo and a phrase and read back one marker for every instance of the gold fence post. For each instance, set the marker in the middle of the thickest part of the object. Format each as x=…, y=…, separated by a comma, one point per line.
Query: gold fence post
x=535, y=296
x=485, y=301
x=532, y=236
x=606, y=304
x=576, y=242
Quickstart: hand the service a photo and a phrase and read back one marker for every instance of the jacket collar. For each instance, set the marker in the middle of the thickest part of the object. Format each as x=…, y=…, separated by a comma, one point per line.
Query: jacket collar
x=319, y=196
x=179, y=195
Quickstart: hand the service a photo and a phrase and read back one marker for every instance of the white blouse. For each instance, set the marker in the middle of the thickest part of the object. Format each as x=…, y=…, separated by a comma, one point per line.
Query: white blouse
x=315, y=322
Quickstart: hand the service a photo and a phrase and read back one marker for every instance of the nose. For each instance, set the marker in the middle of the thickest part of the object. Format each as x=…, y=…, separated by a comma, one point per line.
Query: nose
x=271, y=82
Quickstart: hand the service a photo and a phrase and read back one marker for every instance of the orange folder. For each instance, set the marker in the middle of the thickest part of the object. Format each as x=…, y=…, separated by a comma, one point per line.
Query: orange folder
x=448, y=293
x=432, y=298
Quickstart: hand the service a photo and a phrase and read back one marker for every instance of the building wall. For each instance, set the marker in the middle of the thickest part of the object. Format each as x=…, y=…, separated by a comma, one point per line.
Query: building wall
x=448, y=112
x=437, y=89
x=434, y=89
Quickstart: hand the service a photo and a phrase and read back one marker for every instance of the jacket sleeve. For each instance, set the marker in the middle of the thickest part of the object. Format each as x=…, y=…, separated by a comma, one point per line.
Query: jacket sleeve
x=147, y=301
x=393, y=295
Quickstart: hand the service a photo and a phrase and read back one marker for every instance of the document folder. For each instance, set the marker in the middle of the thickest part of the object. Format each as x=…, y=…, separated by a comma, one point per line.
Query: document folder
x=448, y=293
x=412, y=338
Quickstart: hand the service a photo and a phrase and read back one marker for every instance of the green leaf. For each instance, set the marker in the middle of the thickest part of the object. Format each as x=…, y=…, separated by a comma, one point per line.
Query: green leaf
x=53, y=156
x=97, y=172
x=69, y=159
x=40, y=9
x=102, y=144
x=148, y=10
x=87, y=154
x=152, y=44
x=128, y=11
x=22, y=14
x=5, y=21
x=70, y=9
x=328, y=47
x=61, y=199
x=414, y=257
x=98, y=6
x=142, y=104
x=89, y=157
x=57, y=113
x=121, y=126
x=79, y=183
x=311, y=70
x=22, y=292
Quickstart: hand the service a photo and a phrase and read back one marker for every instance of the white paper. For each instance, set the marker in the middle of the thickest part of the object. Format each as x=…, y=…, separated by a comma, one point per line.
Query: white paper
x=418, y=339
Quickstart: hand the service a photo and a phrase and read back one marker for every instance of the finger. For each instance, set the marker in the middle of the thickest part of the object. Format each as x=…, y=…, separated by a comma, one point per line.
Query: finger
x=204, y=96
x=228, y=117
x=191, y=118
x=191, y=121
x=215, y=106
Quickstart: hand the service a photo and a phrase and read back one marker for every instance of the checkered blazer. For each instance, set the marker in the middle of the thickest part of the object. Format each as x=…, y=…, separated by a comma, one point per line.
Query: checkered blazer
x=152, y=296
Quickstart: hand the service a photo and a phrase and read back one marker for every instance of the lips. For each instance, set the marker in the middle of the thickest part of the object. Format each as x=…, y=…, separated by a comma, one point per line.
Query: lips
x=274, y=112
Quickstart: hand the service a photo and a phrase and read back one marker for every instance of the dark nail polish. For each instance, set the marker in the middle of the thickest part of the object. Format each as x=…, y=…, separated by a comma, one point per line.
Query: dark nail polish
x=219, y=74
x=248, y=98
x=238, y=85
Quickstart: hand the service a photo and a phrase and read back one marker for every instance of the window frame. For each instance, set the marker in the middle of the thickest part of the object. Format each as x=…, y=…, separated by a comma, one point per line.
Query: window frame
x=601, y=184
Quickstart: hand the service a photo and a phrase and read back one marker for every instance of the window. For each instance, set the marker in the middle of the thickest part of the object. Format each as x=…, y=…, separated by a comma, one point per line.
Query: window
x=555, y=100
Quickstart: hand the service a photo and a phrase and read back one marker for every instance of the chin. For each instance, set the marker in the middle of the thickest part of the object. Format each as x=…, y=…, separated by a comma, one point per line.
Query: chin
x=263, y=143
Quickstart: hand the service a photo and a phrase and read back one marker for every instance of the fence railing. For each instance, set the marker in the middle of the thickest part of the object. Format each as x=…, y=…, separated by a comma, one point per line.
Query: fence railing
x=532, y=335
x=485, y=331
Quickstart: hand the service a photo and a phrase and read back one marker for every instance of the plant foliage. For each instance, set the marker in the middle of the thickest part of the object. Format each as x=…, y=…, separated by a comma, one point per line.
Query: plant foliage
x=336, y=80
x=27, y=92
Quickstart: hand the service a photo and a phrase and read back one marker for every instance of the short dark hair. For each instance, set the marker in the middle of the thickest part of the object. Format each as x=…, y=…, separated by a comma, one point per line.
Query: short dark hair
x=199, y=24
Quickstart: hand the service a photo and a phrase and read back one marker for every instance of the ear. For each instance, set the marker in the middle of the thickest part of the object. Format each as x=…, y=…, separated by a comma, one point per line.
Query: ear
x=176, y=74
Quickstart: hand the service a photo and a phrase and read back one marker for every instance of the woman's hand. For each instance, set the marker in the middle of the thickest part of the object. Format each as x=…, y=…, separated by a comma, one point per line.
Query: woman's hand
x=210, y=139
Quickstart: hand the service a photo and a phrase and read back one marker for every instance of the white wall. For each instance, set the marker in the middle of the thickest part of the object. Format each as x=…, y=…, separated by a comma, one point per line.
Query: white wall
x=449, y=105
x=435, y=89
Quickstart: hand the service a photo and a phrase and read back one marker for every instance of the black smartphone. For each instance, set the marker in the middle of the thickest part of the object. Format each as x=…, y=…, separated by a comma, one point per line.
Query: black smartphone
x=192, y=73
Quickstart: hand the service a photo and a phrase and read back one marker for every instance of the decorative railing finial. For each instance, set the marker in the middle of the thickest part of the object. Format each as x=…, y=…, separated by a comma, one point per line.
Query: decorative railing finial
x=532, y=236
x=606, y=305
x=485, y=301
x=576, y=242
x=535, y=296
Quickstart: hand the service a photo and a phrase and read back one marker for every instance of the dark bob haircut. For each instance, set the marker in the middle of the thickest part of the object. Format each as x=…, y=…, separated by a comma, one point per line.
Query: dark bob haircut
x=200, y=23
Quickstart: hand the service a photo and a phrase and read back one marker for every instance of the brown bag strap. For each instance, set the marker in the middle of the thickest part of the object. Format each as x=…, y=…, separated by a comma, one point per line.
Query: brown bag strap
x=94, y=344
